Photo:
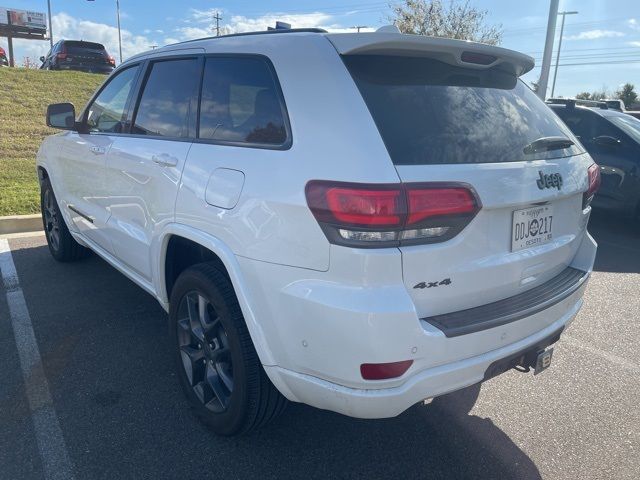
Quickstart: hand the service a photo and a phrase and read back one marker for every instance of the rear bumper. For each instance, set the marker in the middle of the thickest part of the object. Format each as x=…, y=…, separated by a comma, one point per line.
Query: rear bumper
x=428, y=383
x=320, y=328
x=106, y=69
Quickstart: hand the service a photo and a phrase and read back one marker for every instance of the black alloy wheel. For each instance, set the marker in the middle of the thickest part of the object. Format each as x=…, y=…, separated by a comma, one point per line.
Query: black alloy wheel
x=205, y=353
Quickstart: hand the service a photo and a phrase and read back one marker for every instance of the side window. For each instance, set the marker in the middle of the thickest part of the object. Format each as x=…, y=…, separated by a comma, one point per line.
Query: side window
x=241, y=102
x=168, y=103
x=106, y=113
x=604, y=127
x=581, y=122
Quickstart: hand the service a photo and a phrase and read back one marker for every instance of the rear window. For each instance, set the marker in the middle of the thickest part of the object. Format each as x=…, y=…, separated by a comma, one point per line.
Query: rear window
x=430, y=112
x=79, y=47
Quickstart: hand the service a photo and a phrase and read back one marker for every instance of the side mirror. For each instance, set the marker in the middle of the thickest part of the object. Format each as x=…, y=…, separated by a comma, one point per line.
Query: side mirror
x=42, y=59
x=606, y=141
x=61, y=115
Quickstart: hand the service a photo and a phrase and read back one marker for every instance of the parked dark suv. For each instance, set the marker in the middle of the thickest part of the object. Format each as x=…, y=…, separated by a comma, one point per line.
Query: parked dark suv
x=78, y=55
x=612, y=138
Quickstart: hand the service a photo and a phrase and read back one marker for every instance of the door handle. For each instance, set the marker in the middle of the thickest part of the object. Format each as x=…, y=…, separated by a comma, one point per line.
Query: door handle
x=97, y=150
x=165, y=160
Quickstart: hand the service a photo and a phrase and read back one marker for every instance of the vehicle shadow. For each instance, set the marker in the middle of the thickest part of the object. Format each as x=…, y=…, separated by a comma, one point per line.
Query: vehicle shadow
x=426, y=441
x=618, y=243
x=107, y=358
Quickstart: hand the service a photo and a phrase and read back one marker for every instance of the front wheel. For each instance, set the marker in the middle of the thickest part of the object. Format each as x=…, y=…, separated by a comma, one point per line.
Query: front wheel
x=62, y=245
x=217, y=363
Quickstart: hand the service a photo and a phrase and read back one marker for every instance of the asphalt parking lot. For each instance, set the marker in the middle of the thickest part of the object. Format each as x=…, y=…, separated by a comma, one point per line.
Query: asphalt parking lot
x=119, y=412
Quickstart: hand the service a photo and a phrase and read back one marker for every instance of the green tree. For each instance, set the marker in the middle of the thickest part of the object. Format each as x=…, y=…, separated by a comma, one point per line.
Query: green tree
x=627, y=94
x=456, y=19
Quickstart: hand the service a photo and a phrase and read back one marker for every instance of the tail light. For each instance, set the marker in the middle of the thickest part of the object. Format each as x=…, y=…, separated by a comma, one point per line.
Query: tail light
x=593, y=175
x=63, y=54
x=109, y=58
x=391, y=215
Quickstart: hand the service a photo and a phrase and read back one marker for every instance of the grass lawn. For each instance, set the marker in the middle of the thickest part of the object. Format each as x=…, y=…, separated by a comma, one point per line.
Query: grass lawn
x=24, y=96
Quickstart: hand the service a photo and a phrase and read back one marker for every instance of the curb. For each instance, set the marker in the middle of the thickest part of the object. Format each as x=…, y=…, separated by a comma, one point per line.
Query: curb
x=20, y=224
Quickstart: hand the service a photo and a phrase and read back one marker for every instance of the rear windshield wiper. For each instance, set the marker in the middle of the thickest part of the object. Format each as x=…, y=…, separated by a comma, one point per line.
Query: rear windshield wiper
x=546, y=144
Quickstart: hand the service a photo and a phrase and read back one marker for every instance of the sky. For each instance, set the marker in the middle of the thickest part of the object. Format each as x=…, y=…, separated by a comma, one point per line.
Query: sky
x=600, y=48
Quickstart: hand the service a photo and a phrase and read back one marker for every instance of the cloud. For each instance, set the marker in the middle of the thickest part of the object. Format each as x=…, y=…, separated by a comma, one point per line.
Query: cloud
x=633, y=24
x=197, y=24
x=633, y=44
x=595, y=34
x=239, y=23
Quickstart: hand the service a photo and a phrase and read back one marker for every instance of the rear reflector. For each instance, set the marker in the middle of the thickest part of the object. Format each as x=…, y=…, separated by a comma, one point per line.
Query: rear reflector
x=384, y=215
x=593, y=179
x=383, y=371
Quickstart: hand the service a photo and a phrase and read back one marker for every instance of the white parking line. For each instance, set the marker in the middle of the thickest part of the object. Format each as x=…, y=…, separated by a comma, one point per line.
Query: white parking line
x=621, y=362
x=53, y=451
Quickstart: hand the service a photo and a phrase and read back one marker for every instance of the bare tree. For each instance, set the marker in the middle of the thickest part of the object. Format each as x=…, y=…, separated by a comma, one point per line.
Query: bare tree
x=456, y=19
x=599, y=95
x=30, y=64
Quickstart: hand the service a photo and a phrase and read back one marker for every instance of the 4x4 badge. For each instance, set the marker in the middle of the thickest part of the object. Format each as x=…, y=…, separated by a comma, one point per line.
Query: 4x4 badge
x=553, y=180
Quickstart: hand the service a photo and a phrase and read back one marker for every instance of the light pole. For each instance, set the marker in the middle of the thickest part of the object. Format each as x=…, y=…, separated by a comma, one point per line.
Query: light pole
x=555, y=72
x=50, y=29
x=548, y=50
x=119, y=33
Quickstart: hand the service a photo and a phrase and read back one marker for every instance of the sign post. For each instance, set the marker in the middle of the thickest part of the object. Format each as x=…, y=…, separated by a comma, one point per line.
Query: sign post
x=10, y=50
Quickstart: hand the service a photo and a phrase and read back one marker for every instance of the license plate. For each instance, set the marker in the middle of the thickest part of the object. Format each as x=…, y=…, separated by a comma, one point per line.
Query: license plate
x=544, y=361
x=531, y=227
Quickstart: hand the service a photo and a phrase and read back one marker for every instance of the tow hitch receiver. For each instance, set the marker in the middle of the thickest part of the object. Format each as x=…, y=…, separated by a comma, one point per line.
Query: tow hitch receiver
x=543, y=361
x=540, y=360
x=536, y=357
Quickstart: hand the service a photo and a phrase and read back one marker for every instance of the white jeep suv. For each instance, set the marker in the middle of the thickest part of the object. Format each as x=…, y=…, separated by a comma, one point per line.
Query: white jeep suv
x=357, y=222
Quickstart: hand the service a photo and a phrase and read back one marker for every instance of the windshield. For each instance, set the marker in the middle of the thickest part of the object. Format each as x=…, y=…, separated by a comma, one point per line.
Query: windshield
x=628, y=124
x=430, y=112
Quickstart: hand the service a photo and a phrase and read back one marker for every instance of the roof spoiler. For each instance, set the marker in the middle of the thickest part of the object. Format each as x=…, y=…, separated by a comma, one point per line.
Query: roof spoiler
x=454, y=52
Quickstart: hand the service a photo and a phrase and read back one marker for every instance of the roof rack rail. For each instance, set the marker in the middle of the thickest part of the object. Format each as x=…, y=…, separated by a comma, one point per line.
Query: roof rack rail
x=259, y=32
x=572, y=102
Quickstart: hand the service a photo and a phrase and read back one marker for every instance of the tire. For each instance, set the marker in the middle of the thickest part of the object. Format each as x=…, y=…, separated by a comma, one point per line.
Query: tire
x=62, y=245
x=217, y=364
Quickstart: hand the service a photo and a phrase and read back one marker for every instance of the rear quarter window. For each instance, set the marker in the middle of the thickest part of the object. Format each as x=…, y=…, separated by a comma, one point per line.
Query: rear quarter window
x=430, y=112
x=241, y=103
